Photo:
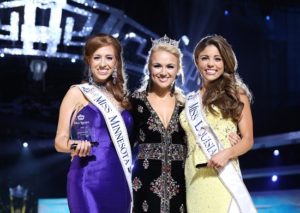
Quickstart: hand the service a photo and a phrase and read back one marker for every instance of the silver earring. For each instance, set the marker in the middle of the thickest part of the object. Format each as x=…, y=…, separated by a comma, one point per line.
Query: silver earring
x=90, y=76
x=114, y=76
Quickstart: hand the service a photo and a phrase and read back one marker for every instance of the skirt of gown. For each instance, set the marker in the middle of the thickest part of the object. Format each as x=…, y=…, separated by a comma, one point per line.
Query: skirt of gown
x=97, y=183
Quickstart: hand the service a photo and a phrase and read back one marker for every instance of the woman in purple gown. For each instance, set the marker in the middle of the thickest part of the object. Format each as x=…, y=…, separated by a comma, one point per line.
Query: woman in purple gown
x=93, y=124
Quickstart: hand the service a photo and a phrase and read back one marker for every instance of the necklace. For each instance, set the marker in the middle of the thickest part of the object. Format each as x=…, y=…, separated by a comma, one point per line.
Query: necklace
x=102, y=88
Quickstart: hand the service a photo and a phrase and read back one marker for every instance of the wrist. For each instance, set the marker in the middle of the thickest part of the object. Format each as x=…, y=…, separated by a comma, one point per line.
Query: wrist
x=231, y=153
x=69, y=144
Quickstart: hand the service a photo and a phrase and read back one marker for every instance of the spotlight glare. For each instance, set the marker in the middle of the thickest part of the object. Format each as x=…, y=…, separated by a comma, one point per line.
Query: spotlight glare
x=73, y=60
x=115, y=35
x=2, y=55
x=131, y=35
x=276, y=152
x=185, y=40
x=226, y=12
x=268, y=18
x=274, y=178
x=25, y=144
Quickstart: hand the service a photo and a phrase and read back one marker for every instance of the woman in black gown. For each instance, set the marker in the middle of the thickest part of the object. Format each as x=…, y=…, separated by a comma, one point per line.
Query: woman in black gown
x=158, y=173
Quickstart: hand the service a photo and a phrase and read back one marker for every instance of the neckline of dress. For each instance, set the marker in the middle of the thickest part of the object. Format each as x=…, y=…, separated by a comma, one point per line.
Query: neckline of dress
x=156, y=114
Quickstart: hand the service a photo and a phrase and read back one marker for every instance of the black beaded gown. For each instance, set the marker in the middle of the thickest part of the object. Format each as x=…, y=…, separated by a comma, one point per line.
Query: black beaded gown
x=158, y=172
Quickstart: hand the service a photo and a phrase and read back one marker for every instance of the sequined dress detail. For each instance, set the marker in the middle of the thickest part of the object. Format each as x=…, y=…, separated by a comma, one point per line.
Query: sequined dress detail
x=158, y=173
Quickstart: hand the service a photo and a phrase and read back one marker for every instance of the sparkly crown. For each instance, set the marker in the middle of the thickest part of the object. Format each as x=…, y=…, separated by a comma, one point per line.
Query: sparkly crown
x=165, y=40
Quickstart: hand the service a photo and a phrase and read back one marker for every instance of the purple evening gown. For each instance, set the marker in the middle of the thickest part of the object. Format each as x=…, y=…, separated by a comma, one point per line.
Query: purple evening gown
x=97, y=184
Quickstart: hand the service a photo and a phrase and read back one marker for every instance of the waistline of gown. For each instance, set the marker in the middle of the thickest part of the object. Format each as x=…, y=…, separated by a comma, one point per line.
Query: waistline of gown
x=159, y=151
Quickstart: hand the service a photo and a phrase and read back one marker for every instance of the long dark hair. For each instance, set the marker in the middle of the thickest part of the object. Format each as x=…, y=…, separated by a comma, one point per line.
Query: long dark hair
x=224, y=92
x=118, y=89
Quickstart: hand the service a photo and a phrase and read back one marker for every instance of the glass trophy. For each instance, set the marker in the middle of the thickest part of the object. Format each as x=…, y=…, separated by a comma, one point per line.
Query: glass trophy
x=81, y=130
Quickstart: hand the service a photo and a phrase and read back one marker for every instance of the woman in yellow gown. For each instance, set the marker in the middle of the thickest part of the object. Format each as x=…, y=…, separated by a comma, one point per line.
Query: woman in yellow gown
x=226, y=103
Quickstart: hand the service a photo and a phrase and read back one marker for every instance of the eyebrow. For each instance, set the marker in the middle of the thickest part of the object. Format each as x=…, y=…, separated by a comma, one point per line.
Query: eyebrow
x=213, y=56
x=104, y=55
x=161, y=63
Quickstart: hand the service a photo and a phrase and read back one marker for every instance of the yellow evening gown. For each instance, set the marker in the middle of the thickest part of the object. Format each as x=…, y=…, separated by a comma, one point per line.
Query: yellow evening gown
x=205, y=192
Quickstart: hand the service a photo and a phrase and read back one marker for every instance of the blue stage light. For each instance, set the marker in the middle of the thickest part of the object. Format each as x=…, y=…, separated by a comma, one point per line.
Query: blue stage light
x=25, y=144
x=226, y=12
x=274, y=178
x=115, y=35
x=131, y=35
x=268, y=18
x=185, y=40
x=276, y=152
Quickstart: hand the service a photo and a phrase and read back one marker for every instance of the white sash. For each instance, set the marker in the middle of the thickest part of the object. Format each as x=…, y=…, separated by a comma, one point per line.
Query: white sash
x=116, y=127
x=210, y=145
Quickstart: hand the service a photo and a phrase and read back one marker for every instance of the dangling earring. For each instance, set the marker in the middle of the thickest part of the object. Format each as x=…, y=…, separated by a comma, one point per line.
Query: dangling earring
x=114, y=76
x=90, y=76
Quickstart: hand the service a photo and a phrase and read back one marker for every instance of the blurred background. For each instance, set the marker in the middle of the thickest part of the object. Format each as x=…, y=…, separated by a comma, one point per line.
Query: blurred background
x=41, y=46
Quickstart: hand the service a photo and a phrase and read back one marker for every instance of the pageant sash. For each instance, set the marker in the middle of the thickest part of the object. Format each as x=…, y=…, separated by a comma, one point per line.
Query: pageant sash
x=115, y=125
x=210, y=145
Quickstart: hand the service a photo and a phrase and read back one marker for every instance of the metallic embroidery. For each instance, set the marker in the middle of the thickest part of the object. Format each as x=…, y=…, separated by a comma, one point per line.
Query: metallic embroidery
x=164, y=186
x=146, y=164
x=140, y=109
x=145, y=206
x=136, y=184
x=142, y=135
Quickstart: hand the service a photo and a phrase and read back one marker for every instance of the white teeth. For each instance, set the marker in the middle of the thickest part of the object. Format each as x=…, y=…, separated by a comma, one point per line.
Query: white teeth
x=163, y=79
x=210, y=72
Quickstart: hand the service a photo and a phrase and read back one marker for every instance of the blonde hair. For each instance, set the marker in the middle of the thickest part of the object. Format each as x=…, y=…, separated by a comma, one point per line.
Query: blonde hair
x=174, y=50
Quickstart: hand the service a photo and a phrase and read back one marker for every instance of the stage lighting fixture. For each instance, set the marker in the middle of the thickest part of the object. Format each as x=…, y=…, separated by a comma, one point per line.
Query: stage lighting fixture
x=268, y=18
x=185, y=40
x=274, y=178
x=73, y=60
x=38, y=69
x=131, y=35
x=226, y=12
x=18, y=197
x=115, y=35
x=276, y=152
x=25, y=144
x=2, y=55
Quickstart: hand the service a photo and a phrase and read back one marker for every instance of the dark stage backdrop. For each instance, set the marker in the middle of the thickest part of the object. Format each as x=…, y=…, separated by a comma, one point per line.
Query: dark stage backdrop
x=265, y=35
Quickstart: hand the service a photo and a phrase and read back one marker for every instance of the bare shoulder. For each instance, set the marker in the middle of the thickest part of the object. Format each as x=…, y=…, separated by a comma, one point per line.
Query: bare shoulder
x=75, y=92
x=75, y=97
x=244, y=98
x=245, y=93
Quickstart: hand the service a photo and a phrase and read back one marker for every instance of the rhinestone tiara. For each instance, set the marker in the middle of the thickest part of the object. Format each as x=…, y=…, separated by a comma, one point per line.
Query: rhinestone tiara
x=165, y=40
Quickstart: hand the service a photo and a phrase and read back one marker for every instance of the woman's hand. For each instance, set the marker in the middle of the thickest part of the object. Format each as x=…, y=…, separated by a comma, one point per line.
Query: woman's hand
x=234, y=138
x=219, y=160
x=83, y=148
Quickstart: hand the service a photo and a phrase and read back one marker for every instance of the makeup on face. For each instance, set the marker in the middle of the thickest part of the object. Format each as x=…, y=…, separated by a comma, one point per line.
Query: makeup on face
x=102, y=63
x=210, y=63
x=163, y=68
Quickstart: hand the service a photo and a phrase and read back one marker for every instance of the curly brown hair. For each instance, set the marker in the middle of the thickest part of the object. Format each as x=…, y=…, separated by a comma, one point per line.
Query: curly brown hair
x=119, y=89
x=225, y=91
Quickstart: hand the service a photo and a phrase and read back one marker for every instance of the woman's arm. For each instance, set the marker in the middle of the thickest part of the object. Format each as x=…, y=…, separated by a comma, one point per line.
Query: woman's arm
x=245, y=125
x=73, y=98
